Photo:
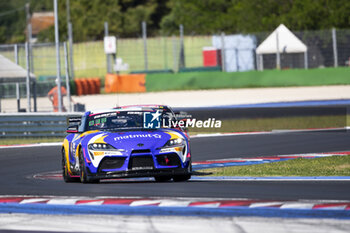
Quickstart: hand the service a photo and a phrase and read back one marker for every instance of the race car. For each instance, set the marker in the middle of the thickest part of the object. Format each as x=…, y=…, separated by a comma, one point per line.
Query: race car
x=123, y=142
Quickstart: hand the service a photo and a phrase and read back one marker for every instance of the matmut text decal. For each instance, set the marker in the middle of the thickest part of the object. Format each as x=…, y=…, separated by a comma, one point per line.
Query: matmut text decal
x=158, y=136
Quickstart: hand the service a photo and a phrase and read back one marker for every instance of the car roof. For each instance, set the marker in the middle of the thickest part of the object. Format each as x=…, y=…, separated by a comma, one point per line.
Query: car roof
x=129, y=108
x=155, y=106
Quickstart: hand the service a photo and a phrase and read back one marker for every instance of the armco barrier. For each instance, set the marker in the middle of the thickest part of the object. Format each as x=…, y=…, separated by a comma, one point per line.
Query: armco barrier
x=34, y=124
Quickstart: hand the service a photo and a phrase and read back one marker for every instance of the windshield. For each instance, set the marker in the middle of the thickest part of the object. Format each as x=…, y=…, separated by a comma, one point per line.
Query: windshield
x=115, y=121
x=130, y=120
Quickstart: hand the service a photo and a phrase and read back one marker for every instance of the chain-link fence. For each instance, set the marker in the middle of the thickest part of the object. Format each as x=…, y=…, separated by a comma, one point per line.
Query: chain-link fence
x=165, y=53
x=323, y=50
x=37, y=65
x=42, y=58
x=174, y=53
x=42, y=64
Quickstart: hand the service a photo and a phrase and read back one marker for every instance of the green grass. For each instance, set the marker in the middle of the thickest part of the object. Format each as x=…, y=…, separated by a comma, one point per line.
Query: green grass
x=327, y=166
x=267, y=78
x=278, y=123
x=17, y=141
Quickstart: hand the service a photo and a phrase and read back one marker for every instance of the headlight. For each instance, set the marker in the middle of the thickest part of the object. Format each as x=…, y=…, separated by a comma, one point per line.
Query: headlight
x=175, y=142
x=102, y=146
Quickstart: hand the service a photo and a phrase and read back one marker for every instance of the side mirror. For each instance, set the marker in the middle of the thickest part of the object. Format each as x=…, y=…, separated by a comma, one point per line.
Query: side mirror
x=184, y=128
x=181, y=124
x=72, y=129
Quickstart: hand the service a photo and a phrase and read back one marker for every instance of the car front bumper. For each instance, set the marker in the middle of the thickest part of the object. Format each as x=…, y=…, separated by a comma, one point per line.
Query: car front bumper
x=141, y=173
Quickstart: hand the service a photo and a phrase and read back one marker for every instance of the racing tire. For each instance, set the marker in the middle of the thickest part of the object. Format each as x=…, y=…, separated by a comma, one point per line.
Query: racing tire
x=184, y=177
x=180, y=178
x=162, y=178
x=84, y=177
x=65, y=173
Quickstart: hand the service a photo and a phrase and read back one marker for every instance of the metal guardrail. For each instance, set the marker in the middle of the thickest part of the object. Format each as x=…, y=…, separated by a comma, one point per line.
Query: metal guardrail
x=34, y=124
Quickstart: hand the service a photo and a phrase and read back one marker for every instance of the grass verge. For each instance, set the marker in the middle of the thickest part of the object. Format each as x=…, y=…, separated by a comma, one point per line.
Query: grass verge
x=266, y=78
x=326, y=166
x=276, y=123
x=16, y=141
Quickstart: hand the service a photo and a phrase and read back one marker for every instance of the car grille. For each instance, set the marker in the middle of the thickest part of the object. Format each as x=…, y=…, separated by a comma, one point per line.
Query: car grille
x=145, y=151
x=141, y=163
x=111, y=163
x=169, y=160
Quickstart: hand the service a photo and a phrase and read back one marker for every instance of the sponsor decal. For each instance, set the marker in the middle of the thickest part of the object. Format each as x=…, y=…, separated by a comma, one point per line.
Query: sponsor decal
x=110, y=114
x=98, y=153
x=171, y=149
x=105, y=153
x=151, y=120
x=193, y=123
x=167, y=150
x=134, y=113
x=132, y=136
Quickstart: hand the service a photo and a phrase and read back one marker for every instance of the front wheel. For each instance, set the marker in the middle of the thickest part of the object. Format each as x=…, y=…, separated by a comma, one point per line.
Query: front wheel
x=65, y=173
x=162, y=178
x=84, y=178
x=184, y=177
x=180, y=178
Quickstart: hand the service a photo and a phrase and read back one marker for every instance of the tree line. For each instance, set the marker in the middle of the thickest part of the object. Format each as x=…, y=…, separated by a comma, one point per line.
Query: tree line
x=163, y=17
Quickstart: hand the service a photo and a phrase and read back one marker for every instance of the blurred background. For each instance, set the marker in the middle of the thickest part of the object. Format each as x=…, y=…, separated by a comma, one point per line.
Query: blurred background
x=171, y=45
x=179, y=35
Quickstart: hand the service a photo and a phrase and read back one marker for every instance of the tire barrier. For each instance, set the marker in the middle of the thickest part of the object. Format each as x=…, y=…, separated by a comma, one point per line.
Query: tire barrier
x=125, y=83
x=87, y=86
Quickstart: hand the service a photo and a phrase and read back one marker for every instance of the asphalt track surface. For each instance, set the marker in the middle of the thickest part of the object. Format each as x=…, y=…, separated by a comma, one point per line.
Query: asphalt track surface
x=19, y=164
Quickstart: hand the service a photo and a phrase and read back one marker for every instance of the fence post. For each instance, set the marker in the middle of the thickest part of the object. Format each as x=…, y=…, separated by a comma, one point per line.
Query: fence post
x=70, y=40
x=31, y=65
x=28, y=78
x=165, y=53
x=18, y=97
x=261, y=62
x=58, y=59
x=174, y=54
x=108, y=57
x=182, y=48
x=335, y=50
x=67, y=76
x=278, y=57
x=223, y=52
x=144, y=36
x=16, y=53
x=306, y=63
x=237, y=58
x=34, y=96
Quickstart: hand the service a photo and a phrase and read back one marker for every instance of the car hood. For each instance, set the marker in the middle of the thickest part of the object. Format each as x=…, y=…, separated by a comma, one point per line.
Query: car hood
x=134, y=139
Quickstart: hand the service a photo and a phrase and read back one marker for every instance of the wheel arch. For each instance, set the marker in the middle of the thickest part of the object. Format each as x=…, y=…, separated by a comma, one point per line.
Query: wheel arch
x=65, y=148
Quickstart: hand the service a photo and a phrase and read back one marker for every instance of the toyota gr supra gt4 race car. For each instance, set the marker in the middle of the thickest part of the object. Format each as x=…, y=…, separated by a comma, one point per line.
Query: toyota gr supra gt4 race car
x=128, y=141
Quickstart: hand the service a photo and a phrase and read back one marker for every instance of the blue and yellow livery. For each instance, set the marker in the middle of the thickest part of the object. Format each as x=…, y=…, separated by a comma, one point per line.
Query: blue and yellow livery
x=129, y=141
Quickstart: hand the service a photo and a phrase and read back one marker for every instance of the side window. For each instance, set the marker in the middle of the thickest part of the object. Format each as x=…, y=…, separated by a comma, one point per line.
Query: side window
x=168, y=115
x=173, y=114
x=82, y=124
